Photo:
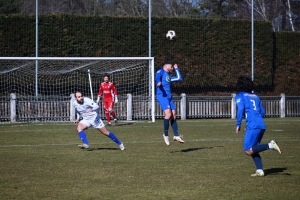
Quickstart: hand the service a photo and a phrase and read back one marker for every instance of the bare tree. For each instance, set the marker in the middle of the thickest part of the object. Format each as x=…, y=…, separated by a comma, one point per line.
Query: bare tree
x=132, y=8
x=176, y=8
x=290, y=15
x=89, y=7
x=283, y=14
x=219, y=8
x=52, y=6
x=268, y=10
x=28, y=7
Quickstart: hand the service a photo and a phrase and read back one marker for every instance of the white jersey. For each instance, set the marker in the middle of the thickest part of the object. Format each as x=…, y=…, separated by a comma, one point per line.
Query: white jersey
x=82, y=109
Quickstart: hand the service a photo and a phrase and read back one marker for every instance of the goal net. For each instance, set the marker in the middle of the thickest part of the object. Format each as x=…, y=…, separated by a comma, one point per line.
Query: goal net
x=41, y=88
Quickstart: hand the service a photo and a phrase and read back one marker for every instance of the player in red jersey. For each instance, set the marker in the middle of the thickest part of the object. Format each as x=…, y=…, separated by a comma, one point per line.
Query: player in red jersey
x=110, y=97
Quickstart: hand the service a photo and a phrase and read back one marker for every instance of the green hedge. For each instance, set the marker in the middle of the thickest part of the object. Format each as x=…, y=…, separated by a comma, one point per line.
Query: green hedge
x=287, y=62
x=210, y=53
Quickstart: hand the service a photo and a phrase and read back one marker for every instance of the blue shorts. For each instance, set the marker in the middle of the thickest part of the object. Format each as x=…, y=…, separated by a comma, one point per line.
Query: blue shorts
x=253, y=137
x=166, y=103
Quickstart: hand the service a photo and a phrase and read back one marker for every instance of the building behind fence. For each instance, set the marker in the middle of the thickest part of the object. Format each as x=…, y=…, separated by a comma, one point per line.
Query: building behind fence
x=14, y=109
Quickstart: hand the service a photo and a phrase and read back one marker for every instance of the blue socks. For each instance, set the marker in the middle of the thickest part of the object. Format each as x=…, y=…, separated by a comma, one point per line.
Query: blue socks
x=256, y=157
x=166, y=126
x=83, y=137
x=257, y=160
x=174, y=127
x=260, y=148
x=112, y=136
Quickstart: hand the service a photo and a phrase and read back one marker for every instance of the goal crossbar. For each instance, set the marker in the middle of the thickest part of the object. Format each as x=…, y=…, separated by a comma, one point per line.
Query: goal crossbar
x=76, y=58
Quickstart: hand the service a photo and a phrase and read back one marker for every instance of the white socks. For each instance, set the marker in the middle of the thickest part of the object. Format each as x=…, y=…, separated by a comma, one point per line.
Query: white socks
x=271, y=145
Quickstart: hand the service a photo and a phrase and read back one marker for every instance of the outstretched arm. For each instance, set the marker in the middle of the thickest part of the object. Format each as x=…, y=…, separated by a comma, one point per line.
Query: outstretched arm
x=178, y=76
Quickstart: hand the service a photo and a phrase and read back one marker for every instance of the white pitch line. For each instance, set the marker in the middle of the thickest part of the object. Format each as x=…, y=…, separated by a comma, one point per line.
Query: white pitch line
x=240, y=139
x=132, y=142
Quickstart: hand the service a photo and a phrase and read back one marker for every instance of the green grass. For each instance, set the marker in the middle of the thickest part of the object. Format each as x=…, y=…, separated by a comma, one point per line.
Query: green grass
x=42, y=161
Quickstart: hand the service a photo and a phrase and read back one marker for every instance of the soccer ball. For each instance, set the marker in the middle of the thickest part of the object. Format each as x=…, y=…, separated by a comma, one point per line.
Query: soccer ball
x=170, y=34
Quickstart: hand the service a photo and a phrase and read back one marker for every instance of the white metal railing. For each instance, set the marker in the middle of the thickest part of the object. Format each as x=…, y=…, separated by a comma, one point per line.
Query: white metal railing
x=18, y=109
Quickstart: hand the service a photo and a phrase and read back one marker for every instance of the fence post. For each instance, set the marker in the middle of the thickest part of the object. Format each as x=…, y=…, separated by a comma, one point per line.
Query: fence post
x=13, y=107
x=233, y=106
x=183, y=106
x=72, y=109
x=129, y=106
x=282, y=105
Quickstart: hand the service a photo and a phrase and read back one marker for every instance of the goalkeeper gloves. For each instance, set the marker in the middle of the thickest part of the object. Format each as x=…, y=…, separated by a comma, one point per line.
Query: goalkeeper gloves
x=116, y=99
x=98, y=100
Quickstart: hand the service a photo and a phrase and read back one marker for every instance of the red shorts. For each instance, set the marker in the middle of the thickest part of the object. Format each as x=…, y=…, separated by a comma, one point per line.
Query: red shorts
x=108, y=104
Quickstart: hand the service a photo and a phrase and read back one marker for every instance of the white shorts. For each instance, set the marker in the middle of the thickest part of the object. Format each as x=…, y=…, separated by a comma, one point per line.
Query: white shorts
x=97, y=123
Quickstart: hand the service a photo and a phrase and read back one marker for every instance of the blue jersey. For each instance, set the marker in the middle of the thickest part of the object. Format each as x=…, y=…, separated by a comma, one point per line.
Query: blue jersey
x=165, y=88
x=250, y=106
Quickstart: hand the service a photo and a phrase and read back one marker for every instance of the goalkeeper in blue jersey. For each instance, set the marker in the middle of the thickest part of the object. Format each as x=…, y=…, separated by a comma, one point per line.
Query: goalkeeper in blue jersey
x=250, y=106
x=164, y=97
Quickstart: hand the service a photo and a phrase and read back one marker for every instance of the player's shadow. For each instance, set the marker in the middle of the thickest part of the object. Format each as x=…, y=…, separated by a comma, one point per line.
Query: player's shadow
x=101, y=149
x=193, y=149
x=276, y=171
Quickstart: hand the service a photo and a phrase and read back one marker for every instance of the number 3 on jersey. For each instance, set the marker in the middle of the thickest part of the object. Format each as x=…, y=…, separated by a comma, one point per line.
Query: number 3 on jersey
x=253, y=103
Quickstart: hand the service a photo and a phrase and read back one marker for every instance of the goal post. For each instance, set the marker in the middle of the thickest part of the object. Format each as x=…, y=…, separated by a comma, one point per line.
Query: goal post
x=42, y=81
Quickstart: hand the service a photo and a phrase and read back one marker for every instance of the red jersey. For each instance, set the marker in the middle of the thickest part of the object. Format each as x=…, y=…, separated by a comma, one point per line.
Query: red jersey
x=108, y=90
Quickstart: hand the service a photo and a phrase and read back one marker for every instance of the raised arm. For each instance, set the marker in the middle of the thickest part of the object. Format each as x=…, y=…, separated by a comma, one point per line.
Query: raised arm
x=178, y=76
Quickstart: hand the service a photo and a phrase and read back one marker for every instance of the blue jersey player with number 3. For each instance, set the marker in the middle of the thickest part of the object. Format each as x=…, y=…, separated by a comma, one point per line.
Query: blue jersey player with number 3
x=250, y=106
x=163, y=81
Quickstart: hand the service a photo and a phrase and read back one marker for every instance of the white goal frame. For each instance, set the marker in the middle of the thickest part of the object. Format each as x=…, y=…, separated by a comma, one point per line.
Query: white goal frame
x=150, y=70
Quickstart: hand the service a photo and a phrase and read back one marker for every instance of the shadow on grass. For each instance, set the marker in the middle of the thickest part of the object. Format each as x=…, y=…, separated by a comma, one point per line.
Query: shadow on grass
x=99, y=149
x=276, y=171
x=193, y=149
x=123, y=124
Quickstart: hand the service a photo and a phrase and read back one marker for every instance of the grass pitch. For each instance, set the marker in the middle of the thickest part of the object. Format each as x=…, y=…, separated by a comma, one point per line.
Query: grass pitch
x=42, y=161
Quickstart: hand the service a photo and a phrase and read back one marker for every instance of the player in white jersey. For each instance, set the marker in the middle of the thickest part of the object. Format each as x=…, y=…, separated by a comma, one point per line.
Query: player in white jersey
x=88, y=111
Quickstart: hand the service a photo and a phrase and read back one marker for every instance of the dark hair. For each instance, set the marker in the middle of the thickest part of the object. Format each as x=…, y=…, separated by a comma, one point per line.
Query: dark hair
x=244, y=84
x=167, y=63
x=106, y=75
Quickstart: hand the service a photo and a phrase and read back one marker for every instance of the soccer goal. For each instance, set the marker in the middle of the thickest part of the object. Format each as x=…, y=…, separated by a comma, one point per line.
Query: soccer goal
x=41, y=88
